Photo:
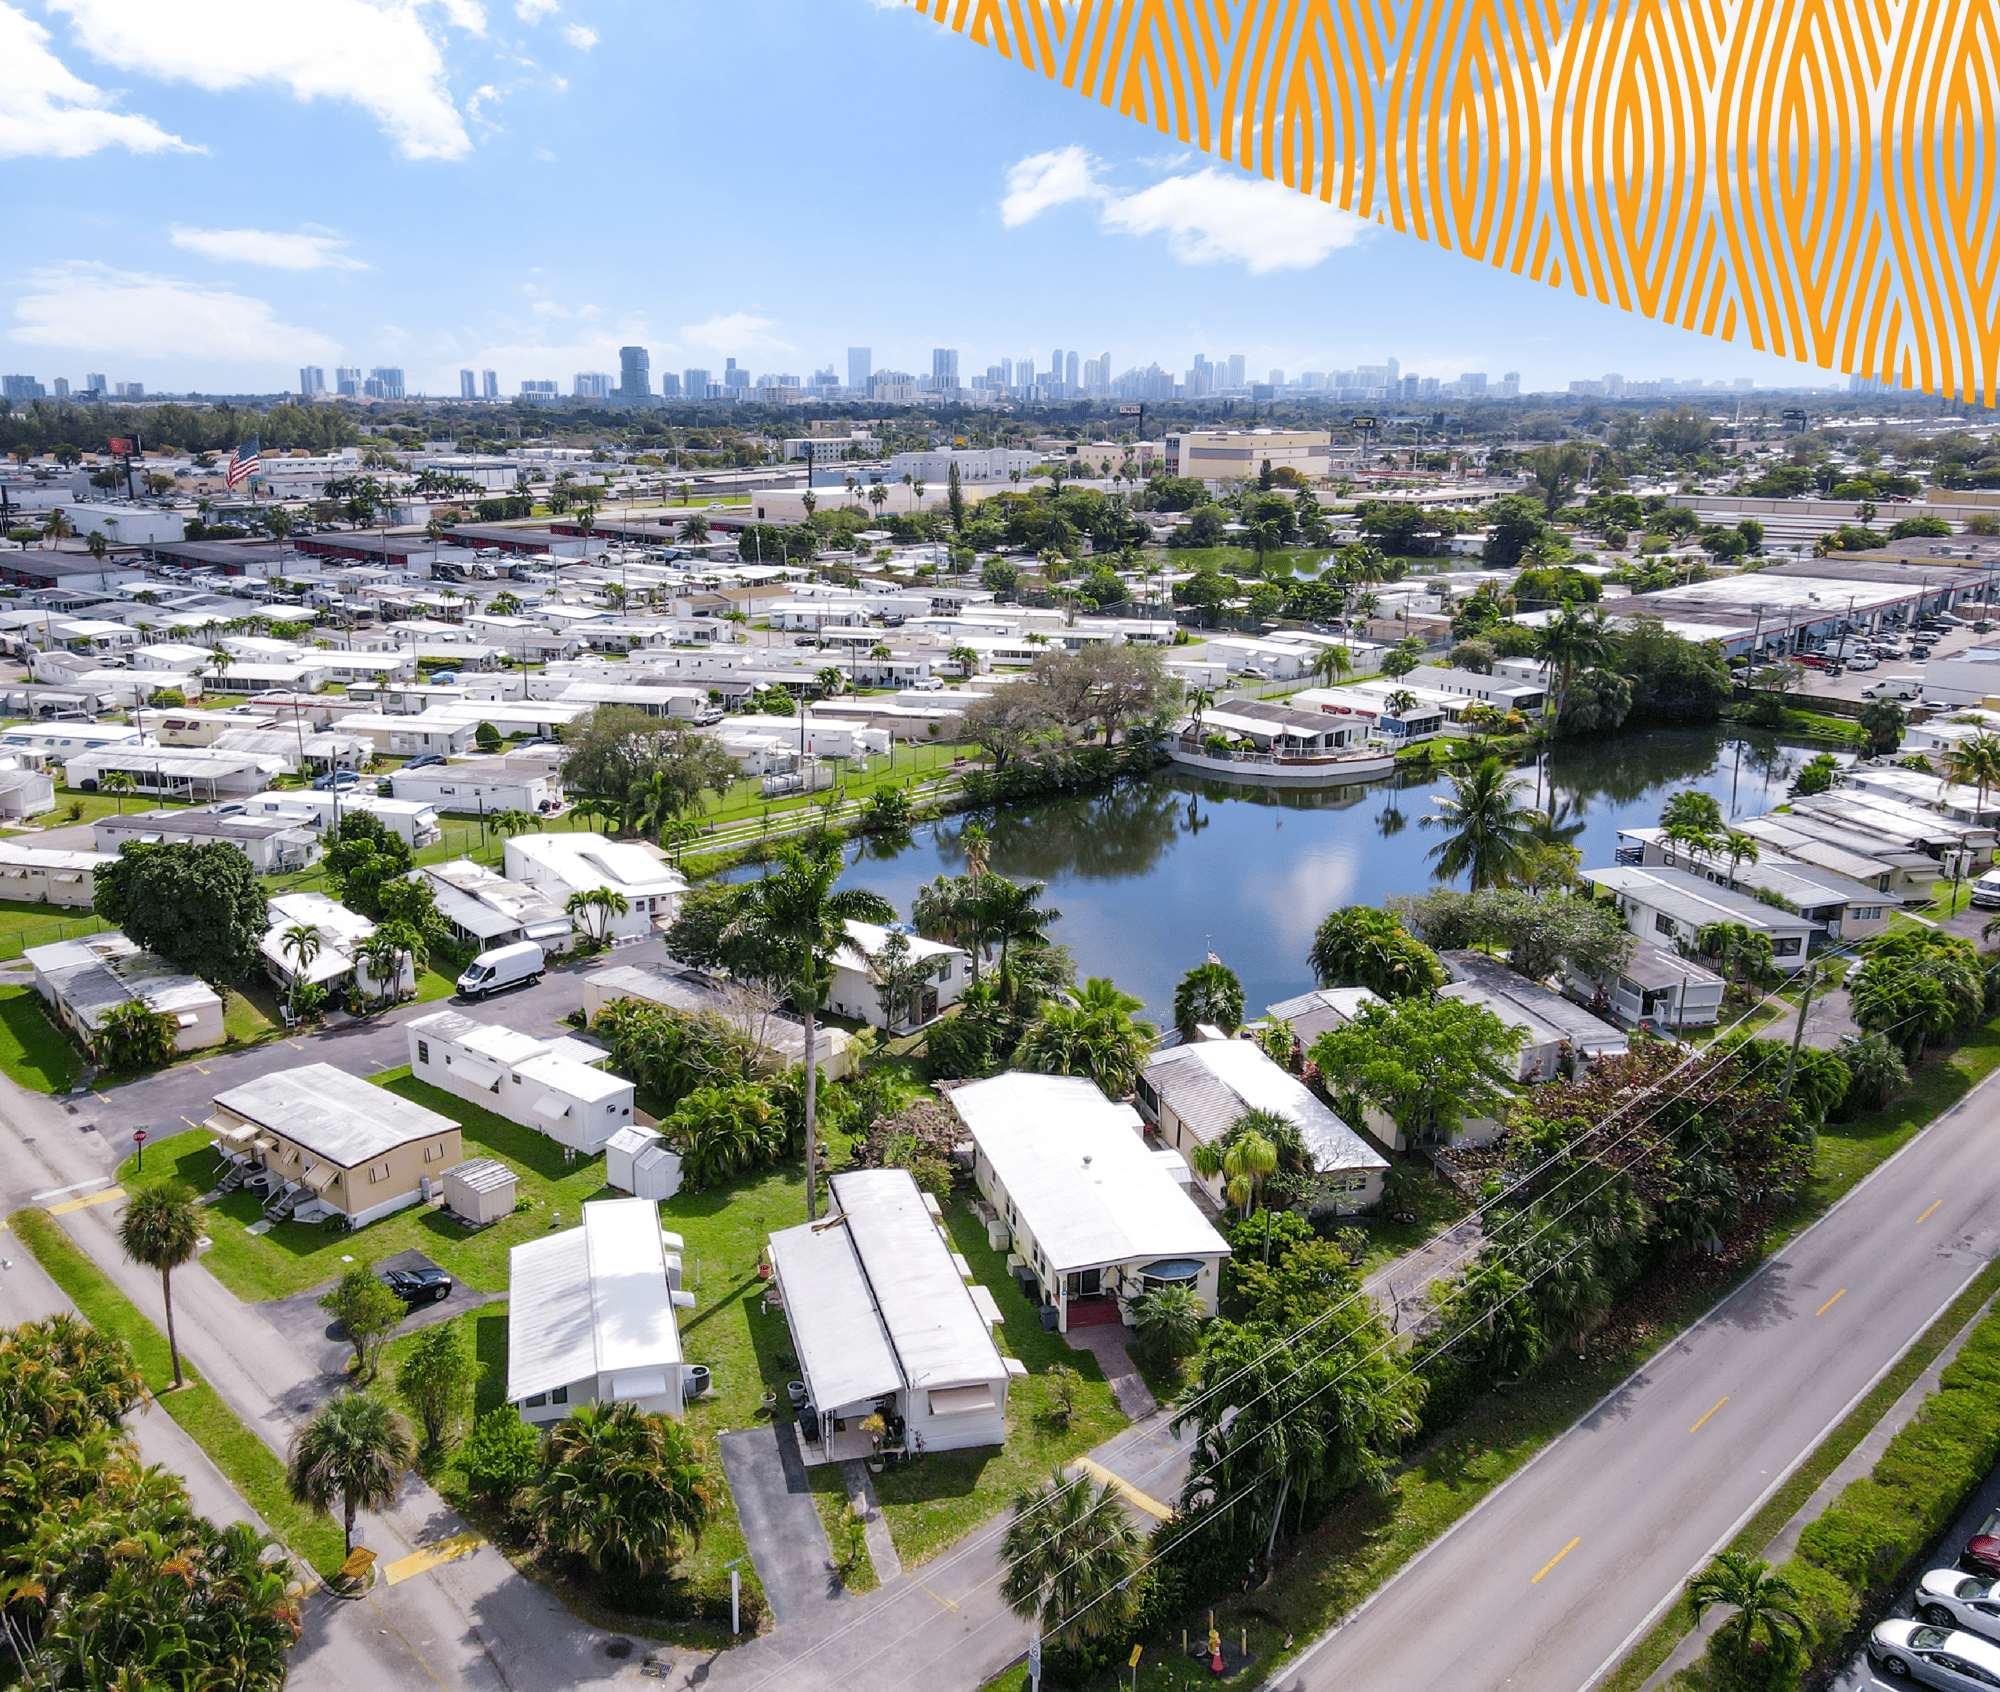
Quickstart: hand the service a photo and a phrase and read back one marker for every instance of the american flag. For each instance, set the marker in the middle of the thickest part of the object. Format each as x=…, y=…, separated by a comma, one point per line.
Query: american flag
x=244, y=465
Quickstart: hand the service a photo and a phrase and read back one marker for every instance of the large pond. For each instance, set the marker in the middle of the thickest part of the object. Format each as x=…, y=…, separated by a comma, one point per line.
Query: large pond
x=1152, y=875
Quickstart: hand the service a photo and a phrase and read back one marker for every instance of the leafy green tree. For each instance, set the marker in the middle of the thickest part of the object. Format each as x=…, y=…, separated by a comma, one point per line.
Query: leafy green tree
x=435, y=1380
x=1744, y=954
x=1359, y=946
x=1875, y=1070
x=1917, y=989
x=1428, y=1064
x=1208, y=993
x=367, y=1310
x=618, y=747
x=365, y=856
x=1488, y=831
x=623, y=1489
x=201, y=907
x=1557, y=470
x=1245, y=1161
x=356, y=1450
x=1569, y=643
x=502, y=1455
x=1071, y=1552
x=161, y=1228
x=1884, y=721
x=1765, y=1603
x=1517, y=524
x=411, y=906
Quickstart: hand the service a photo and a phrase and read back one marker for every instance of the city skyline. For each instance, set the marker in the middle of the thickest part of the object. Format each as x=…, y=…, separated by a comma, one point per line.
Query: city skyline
x=149, y=258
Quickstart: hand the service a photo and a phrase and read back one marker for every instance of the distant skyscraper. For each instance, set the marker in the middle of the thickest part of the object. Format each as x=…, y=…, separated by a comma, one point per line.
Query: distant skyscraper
x=62, y=387
x=468, y=385
x=489, y=384
x=20, y=388
x=1510, y=385
x=635, y=373
x=670, y=385
x=735, y=377
x=591, y=384
x=96, y=384
x=860, y=366
x=1056, y=365
x=1006, y=373
x=347, y=379
x=944, y=368
x=696, y=384
x=544, y=392
x=129, y=390
x=1070, y=372
x=1235, y=379
x=1024, y=377
x=385, y=381
x=312, y=380
x=1472, y=382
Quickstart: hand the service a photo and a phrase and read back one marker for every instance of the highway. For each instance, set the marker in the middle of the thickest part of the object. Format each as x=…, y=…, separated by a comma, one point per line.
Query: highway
x=1548, y=1582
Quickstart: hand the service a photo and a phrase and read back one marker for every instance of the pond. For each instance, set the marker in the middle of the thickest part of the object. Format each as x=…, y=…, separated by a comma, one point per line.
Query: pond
x=1152, y=875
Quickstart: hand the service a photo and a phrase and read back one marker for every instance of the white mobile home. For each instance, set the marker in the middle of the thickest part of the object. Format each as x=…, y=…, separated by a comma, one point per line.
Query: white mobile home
x=858, y=977
x=570, y=862
x=1671, y=907
x=555, y=1086
x=83, y=980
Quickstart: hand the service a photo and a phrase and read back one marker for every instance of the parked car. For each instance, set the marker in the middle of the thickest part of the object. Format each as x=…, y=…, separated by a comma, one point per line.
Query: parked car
x=1813, y=661
x=805, y=640
x=419, y=1287
x=1863, y=661
x=1952, y=1598
x=336, y=779
x=1935, y=1656
x=1986, y=891
x=1982, y=1550
x=425, y=760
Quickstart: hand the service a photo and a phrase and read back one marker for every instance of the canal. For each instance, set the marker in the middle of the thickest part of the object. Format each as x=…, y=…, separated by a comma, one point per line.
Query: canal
x=1152, y=875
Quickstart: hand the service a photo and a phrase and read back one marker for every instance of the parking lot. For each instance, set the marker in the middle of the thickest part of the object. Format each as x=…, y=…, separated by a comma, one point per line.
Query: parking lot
x=1854, y=683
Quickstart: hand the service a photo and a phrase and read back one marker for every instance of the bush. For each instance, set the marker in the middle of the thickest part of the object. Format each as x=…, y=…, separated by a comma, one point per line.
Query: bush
x=502, y=1455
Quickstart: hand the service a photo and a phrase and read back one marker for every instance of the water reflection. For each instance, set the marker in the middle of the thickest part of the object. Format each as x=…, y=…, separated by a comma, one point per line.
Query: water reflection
x=1152, y=874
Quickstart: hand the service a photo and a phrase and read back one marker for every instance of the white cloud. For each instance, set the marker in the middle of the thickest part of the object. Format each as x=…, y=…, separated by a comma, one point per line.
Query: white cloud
x=308, y=249
x=1209, y=216
x=94, y=309
x=378, y=53
x=48, y=111
x=533, y=11
x=580, y=35
x=735, y=332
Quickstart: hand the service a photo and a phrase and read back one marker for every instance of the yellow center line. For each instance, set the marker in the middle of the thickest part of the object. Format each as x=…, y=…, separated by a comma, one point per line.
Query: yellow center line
x=946, y=1602
x=1698, y=1426
x=1557, y=1558
x=1927, y=1214
x=1830, y=1303
x=87, y=1200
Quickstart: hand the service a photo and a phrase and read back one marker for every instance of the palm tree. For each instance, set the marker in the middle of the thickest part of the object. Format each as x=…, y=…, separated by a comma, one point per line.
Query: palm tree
x=1006, y=913
x=622, y=1488
x=794, y=920
x=1245, y=1158
x=1764, y=1602
x=831, y=680
x=1738, y=848
x=1100, y=1041
x=1330, y=664
x=1199, y=699
x=1490, y=831
x=598, y=809
x=356, y=1449
x=1208, y=993
x=383, y=954
x=652, y=804
x=878, y=495
x=57, y=526
x=594, y=907
x=1569, y=641
x=161, y=1228
x=1071, y=1552
x=965, y=658
x=1974, y=762
x=301, y=943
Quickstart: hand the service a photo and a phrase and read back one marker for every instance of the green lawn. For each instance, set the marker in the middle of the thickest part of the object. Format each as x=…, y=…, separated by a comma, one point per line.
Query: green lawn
x=89, y=807
x=33, y=1050
x=23, y=925
x=251, y=1466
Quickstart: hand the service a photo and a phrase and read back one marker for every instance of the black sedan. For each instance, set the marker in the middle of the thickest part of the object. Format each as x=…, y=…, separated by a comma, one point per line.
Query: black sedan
x=419, y=1287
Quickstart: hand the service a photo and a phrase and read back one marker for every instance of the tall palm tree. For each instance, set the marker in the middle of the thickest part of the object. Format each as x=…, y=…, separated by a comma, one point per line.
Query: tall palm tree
x=594, y=907
x=1071, y=1551
x=357, y=1449
x=1331, y=664
x=1764, y=1602
x=161, y=1228
x=301, y=943
x=1208, y=993
x=1974, y=762
x=1569, y=641
x=652, y=804
x=1738, y=848
x=792, y=922
x=1490, y=831
x=1007, y=915
x=1245, y=1159
x=383, y=955
x=120, y=782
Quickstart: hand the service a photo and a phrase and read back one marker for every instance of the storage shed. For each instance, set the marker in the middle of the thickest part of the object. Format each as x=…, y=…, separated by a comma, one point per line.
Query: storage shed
x=636, y=1162
x=481, y=1191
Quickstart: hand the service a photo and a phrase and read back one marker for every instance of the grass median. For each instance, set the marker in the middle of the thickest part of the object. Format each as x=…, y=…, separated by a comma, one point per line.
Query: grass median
x=250, y=1465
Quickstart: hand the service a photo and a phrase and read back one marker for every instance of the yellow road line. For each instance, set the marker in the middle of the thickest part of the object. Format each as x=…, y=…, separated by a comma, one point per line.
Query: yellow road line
x=1126, y=1490
x=1927, y=1214
x=430, y=1557
x=86, y=1201
x=407, y=1646
x=946, y=1602
x=1557, y=1558
x=1830, y=1303
x=190, y=1121
x=1698, y=1426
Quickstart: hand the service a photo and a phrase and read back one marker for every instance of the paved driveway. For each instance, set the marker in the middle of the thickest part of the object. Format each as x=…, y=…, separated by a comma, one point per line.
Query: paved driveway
x=315, y=1334
x=781, y=1522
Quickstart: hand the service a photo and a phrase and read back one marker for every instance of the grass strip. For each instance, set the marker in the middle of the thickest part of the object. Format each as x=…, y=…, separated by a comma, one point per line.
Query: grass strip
x=250, y=1465
x=1645, y=1658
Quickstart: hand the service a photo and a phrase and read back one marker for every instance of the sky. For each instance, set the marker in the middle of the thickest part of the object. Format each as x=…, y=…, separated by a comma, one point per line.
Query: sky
x=209, y=194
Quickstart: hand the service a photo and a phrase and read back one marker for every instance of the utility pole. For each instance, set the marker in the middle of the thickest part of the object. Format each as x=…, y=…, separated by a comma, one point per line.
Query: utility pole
x=1816, y=977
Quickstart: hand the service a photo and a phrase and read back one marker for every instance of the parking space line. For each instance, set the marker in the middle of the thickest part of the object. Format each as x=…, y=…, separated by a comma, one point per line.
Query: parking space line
x=1830, y=1303
x=1557, y=1558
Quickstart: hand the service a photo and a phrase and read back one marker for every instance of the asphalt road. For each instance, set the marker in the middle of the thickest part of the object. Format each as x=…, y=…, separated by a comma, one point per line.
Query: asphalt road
x=1548, y=1582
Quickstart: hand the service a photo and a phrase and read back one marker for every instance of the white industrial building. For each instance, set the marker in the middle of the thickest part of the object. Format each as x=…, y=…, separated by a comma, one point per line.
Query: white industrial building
x=592, y=1315
x=557, y=1087
x=884, y=1324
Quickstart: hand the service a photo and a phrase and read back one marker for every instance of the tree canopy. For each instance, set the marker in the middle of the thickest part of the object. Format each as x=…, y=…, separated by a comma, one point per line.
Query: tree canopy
x=201, y=907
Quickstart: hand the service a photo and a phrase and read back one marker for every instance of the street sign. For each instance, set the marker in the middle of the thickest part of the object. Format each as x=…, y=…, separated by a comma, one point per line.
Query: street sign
x=139, y=1140
x=1035, y=1662
x=121, y=446
x=1138, y=1651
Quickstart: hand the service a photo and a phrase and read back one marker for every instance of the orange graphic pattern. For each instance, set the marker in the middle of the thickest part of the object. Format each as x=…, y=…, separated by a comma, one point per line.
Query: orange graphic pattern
x=1816, y=178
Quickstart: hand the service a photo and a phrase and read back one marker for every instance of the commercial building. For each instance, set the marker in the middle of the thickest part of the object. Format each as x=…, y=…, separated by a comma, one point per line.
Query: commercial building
x=1239, y=455
x=592, y=1315
x=335, y=1143
x=884, y=1324
x=82, y=981
x=556, y=1087
x=1093, y=1216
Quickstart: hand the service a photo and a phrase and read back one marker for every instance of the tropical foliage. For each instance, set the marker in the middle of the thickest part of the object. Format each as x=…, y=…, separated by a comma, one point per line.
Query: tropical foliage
x=1360, y=946
x=723, y=1132
x=623, y=1489
x=353, y=1453
x=1070, y=1553
x=1428, y=1064
x=1488, y=832
x=1209, y=993
x=132, y=1035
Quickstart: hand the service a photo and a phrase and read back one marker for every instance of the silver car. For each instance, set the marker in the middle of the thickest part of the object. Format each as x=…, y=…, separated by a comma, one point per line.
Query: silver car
x=1953, y=1598
x=1935, y=1656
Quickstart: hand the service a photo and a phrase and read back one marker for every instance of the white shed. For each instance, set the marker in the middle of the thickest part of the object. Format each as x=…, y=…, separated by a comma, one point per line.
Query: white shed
x=636, y=1162
x=481, y=1191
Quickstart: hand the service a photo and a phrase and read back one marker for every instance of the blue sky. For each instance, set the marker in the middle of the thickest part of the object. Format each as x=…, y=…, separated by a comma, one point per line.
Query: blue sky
x=208, y=194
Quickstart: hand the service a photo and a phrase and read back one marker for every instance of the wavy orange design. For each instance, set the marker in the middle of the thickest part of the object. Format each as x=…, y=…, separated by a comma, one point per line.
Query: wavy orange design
x=1817, y=178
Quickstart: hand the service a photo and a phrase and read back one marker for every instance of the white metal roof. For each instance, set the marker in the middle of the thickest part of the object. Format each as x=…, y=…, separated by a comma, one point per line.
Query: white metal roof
x=591, y=1301
x=334, y=1115
x=1079, y=1174
x=1210, y=1083
x=843, y=1345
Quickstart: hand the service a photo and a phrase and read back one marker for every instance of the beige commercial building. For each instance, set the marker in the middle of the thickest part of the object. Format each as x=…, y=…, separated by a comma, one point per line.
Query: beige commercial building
x=1239, y=455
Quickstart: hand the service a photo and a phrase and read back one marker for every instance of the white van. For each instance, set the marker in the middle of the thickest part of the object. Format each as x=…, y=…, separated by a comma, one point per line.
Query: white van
x=518, y=965
x=1895, y=687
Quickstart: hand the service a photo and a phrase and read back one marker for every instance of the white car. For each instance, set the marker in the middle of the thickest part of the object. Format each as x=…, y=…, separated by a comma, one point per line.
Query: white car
x=1953, y=1598
x=1935, y=1656
x=1861, y=661
x=1986, y=891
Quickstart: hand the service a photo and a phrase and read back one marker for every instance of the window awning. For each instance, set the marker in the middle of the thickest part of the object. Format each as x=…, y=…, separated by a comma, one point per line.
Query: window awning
x=320, y=1176
x=485, y=1074
x=264, y=1144
x=236, y=1134
x=551, y=1107
x=1172, y=1269
x=961, y=1401
x=643, y=1383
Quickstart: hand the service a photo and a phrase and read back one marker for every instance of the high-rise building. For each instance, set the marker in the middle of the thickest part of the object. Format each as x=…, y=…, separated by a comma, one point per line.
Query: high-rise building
x=20, y=388
x=635, y=373
x=1235, y=378
x=489, y=384
x=591, y=384
x=129, y=390
x=61, y=386
x=1276, y=378
x=1070, y=376
x=1096, y=374
x=468, y=385
x=385, y=381
x=1471, y=382
x=543, y=392
x=696, y=384
x=944, y=369
x=1510, y=385
x=670, y=385
x=96, y=384
x=735, y=378
x=860, y=366
x=1024, y=378
x=347, y=379
x=1006, y=368
x=312, y=380
x=1055, y=370
x=1614, y=385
